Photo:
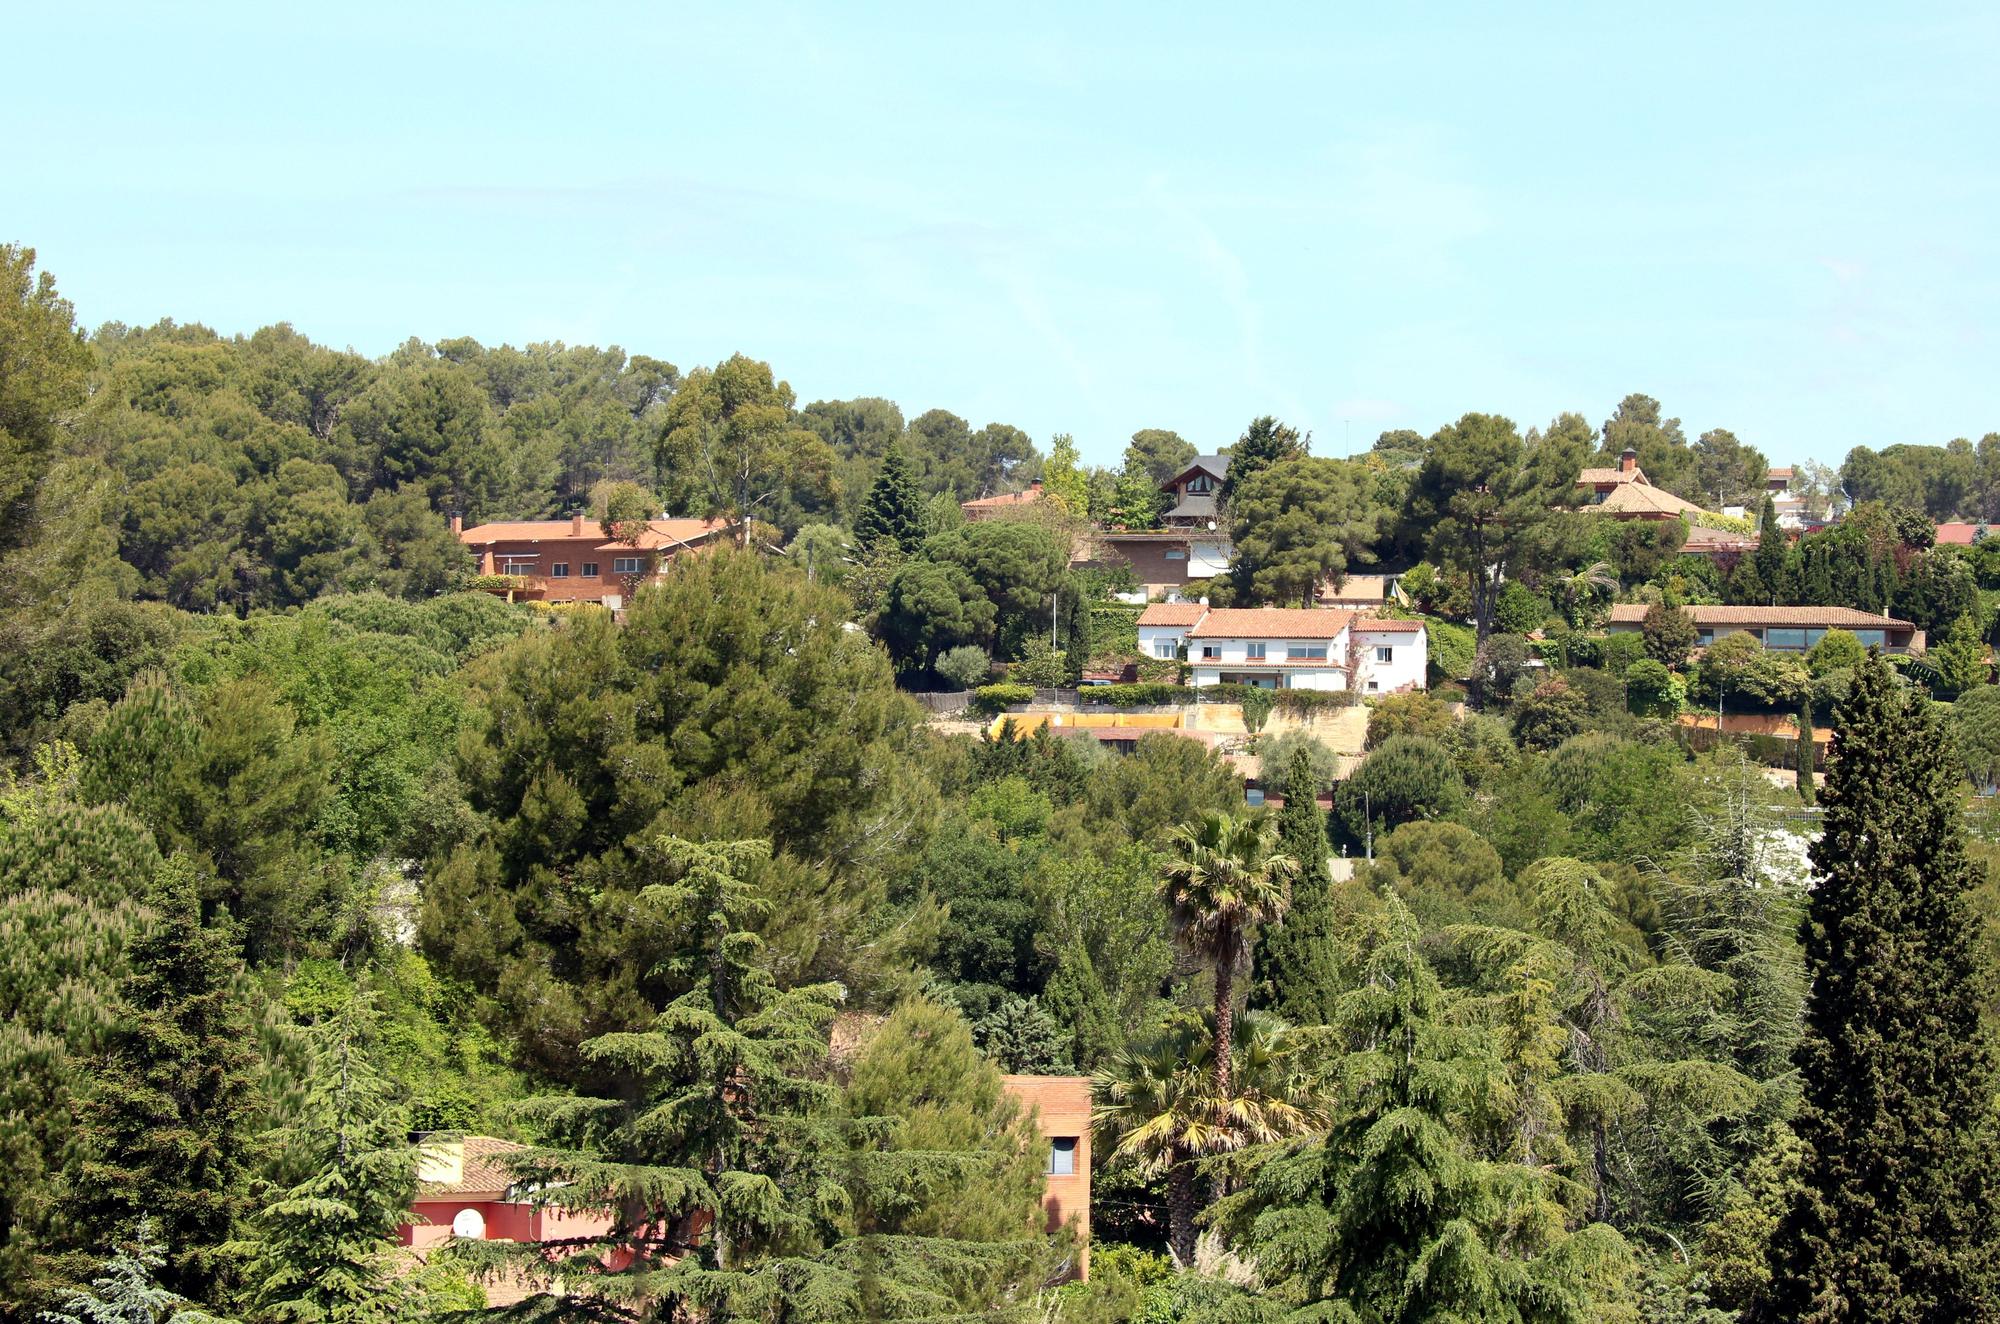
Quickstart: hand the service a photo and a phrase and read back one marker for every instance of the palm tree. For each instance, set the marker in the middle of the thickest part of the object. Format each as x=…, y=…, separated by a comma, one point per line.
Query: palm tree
x=1581, y=592
x=1226, y=878
x=1159, y=1100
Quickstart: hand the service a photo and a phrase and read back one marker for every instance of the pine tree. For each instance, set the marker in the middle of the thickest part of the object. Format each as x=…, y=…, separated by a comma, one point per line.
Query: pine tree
x=1299, y=971
x=892, y=515
x=127, y=1293
x=323, y=1250
x=1393, y=1213
x=164, y=1132
x=1895, y=1217
x=738, y=1187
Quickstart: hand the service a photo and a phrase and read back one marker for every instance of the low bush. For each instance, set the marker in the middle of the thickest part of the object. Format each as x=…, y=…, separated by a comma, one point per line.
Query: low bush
x=991, y=699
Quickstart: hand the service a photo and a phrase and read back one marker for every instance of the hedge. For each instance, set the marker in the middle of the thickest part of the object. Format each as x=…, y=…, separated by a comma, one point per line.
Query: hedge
x=991, y=699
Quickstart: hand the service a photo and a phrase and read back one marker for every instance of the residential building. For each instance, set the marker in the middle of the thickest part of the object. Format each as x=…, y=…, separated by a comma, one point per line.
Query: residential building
x=1363, y=592
x=1778, y=479
x=577, y=560
x=1962, y=534
x=1306, y=648
x=1192, y=545
x=1704, y=541
x=1163, y=628
x=1625, y=492
x=987, y=507
x=1060, y=1106
x=1787, y=629
x=1196, y=490
x=466, y=1189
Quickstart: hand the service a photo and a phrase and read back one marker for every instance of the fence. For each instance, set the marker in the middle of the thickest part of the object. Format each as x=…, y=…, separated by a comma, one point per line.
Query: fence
x=957, y=701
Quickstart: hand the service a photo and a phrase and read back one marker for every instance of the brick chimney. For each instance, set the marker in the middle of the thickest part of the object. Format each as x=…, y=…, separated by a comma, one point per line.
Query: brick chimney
x=457, y=523
x=576, y=526
x=1035, y=486
x=1628, y=461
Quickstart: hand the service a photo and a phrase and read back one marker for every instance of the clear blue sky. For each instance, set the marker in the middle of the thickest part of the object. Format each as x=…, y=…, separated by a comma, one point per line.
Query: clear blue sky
x=1782, y=219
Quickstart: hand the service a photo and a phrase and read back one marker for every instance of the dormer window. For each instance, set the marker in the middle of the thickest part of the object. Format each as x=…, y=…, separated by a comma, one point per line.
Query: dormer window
x=1200, y=485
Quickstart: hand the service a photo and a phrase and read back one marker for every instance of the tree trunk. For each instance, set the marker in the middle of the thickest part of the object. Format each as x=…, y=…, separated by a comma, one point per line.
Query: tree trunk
x=1181, y=1212
x=1225, y=1027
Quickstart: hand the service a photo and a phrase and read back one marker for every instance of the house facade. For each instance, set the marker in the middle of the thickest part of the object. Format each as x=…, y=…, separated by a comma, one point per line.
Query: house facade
x=1060, y=1106
x=1305, y=648
x=1786, y=629
x=577, y=559
x=1624, y=492
x=1164, y=626
x=1192, y=543
x=466, y=1188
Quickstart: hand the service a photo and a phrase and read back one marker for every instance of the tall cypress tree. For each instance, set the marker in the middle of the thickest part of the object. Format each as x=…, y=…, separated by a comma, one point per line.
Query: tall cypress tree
x=1895, y=1217
x=1299, y=975
x=1771, y=548
x=165, y=1132
x=893, y=512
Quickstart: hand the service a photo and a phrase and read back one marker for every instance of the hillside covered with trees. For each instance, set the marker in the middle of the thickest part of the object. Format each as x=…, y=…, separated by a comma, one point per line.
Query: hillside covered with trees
x=308, y=847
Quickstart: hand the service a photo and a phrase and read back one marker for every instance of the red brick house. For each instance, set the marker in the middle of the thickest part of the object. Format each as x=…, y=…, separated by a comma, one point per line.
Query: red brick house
x=577, y=560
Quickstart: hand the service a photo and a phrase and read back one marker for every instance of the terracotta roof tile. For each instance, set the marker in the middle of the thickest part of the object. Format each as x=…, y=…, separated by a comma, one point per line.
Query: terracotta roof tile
x=1383, y=625
x=1846, y=618
x=482, y=1164
x=1592, y=477
x=1642, y=499
x=1033, y=493
x=1271, y=623
x=1172, y=613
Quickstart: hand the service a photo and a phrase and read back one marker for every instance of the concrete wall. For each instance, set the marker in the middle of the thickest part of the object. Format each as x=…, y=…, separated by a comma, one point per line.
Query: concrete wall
x=1149, y=635
x=1406, y=669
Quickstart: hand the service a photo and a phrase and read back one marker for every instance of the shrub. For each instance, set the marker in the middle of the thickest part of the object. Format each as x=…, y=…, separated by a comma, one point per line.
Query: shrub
x=1452, y=648
x=1548, y=715
x=1651, y=690
x=991, y=699
x=965, y=666
x=1520, y=609
x=1669, y=634
x=1616, y=652
x=1040, y=665
x=1275, y=754
x=1417, y=713
x=1837, y=650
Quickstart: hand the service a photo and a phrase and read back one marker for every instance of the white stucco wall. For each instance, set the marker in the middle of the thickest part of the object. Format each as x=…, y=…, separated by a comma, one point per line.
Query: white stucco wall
x=1409, y=659
x=1233, y=654
x=1151, y=635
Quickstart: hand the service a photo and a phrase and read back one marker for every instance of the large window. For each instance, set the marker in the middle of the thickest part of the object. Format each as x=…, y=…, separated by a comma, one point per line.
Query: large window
x=1200, y=485
x=1872, y=638
x=517, y=565
x=1255, y=652
x=626, y=565
x=1174, y=554
x=1062, y=1156
x=1163, y=649
x=1790, y=641
x=1305, y=652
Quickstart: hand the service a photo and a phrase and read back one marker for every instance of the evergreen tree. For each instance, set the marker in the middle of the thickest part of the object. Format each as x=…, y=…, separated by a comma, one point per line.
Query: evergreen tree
x=1074, y=609
x=738, y=1187
x=1300, y=974
x=1895, y=1215
x=1772, y=547
x=893, y=513
x=127, y=1293
x=323, y=1250
x=1393, y=1213
x=1961, y=659
x=164, y=1131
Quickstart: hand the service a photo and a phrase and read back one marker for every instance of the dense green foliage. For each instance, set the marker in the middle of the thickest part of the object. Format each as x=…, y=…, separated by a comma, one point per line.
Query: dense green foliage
x=303, y=847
